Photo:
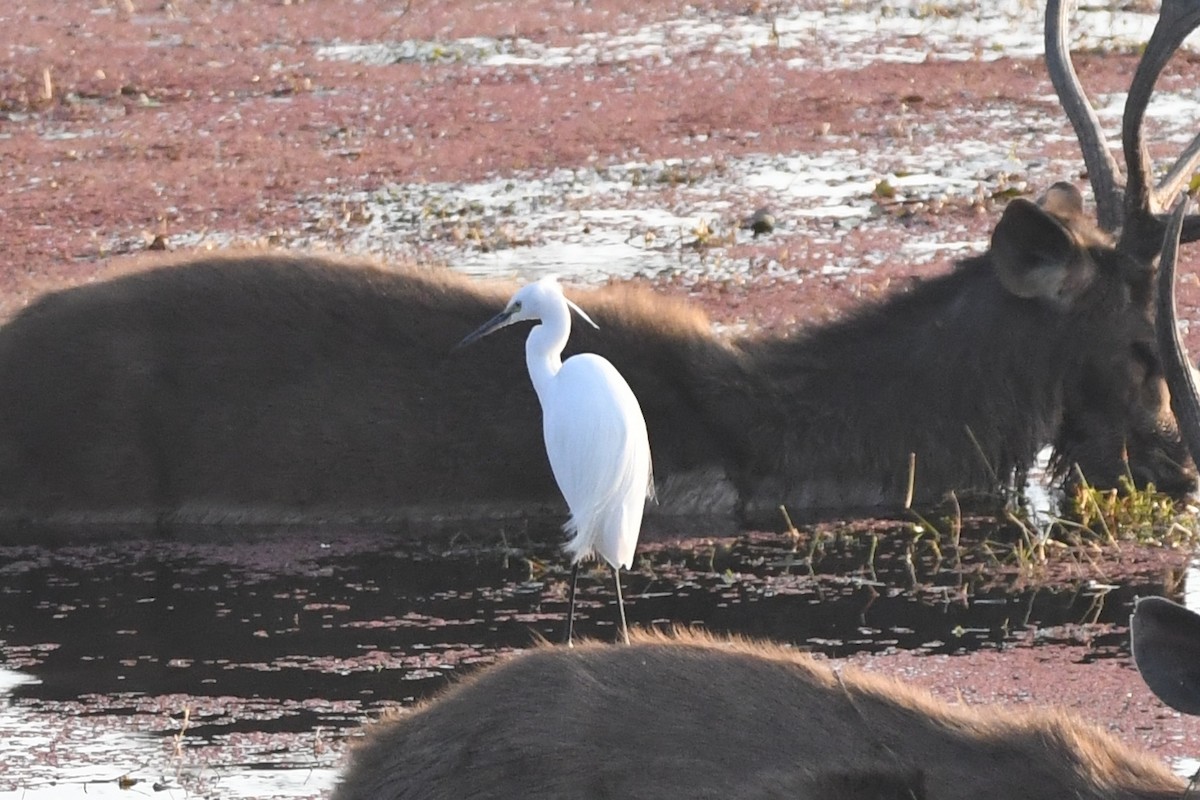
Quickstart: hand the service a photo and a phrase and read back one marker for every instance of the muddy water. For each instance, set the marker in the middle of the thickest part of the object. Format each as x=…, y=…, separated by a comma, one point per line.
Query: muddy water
x=237, y=668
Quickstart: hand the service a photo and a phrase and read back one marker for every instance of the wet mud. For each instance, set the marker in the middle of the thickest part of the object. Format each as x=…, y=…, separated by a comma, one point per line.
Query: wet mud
x=243, y=664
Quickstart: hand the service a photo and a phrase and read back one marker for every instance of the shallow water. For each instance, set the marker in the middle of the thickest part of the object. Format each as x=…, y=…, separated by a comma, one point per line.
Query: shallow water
x=676, y=217
x=589, y=222
x=832, y=36
x=238, y=668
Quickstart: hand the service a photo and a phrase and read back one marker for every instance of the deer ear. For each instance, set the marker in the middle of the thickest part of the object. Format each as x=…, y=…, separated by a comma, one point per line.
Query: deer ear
x=1035, y=255
x=1165, y=639
x=1063, y=200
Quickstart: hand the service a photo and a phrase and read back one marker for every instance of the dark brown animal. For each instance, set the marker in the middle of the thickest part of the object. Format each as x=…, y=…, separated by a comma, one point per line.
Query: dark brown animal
x=281, y=389
x=687, y=716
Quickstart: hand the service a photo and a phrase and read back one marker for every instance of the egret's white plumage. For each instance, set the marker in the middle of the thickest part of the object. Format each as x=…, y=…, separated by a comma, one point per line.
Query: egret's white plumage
x=594, y=431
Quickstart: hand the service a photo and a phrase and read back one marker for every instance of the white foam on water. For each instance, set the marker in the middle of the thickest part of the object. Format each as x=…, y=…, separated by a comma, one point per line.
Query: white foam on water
x=848, y=35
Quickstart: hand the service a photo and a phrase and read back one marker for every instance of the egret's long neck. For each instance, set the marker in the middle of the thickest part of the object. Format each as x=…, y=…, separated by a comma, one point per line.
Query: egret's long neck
x=543, y=348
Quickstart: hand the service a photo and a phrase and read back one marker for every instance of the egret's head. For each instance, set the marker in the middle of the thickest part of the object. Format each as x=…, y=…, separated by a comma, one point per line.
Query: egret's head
x=531, y=302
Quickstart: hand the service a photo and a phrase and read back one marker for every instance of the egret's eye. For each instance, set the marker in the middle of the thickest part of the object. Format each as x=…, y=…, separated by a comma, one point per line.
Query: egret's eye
x=516, y=306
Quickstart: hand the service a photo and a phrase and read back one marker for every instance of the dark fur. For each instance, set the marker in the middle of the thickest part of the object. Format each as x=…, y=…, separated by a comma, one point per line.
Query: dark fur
x=275, y=389
x=690, y=717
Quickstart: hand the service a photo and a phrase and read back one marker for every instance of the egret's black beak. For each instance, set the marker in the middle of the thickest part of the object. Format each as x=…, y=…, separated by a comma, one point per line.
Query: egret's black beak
x=495, y=323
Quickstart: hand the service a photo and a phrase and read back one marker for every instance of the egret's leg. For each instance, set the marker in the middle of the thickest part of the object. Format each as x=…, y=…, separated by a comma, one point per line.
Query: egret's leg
x=571, y=604
x=621, y=604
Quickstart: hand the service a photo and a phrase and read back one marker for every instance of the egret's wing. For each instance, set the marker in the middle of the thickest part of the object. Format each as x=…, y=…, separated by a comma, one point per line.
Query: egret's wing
x=600, y=455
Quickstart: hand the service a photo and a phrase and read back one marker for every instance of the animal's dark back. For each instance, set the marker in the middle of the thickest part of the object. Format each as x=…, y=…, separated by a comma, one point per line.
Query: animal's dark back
x=296, y=383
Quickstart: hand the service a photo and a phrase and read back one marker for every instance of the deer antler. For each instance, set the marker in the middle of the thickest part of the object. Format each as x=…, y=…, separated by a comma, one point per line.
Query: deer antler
x=1136, y=208
x=1103, y=170
x=1181, y=380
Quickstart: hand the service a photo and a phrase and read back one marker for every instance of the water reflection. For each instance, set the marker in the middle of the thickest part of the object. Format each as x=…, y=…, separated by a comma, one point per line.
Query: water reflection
x=244, y=663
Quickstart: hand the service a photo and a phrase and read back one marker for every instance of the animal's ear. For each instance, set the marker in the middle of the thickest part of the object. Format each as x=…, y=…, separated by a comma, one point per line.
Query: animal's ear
x=1063, y=200
x=1165, y=638
x=1035, y=255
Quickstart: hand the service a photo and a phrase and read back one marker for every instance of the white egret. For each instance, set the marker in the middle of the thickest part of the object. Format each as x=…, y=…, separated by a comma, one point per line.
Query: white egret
x=594, y=430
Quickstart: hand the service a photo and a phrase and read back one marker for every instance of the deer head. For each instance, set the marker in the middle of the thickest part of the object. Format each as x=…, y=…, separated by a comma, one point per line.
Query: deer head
x=1132, y=205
